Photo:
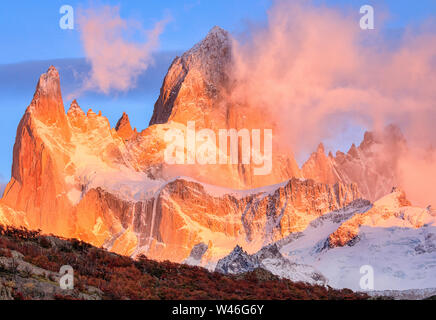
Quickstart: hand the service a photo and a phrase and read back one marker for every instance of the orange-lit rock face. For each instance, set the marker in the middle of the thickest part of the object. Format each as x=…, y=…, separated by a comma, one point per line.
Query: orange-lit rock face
x=12, y=217
x=197, y=88
x=202, y=213
x=47, y=105
x=183, y=213
x=393, y=210
x=50, y=150
x=123, y=127
x=36, y=187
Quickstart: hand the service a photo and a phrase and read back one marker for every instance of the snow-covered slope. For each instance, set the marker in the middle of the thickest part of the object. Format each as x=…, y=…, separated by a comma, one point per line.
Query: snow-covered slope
x=398, y=241
x=268, y=258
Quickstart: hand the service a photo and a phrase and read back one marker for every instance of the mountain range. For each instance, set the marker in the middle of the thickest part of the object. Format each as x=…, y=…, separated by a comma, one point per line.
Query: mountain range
x=74, y=176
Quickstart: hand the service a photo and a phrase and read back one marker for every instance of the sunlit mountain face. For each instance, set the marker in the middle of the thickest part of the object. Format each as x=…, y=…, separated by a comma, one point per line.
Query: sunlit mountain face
x=213, y=180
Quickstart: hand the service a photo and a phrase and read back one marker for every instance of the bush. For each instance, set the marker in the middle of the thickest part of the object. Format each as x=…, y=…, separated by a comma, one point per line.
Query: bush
x=27, y=272
x=6, y=253
x=17, y=295
x=120, y=277
x=45, y=243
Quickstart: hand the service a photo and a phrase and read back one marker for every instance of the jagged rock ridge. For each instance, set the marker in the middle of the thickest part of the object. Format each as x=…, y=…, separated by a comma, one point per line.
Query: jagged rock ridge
x=371, y=165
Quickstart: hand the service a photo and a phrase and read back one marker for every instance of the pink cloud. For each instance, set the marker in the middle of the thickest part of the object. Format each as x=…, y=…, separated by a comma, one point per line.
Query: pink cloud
x=116, y=60
x=417, y=174
x=312, y=71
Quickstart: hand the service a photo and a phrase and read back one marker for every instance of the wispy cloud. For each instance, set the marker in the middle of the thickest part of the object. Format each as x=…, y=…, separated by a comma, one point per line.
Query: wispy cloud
x=118, y=49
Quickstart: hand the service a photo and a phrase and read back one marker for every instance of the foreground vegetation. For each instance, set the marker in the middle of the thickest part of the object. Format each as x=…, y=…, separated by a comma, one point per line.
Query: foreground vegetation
x=30, y=264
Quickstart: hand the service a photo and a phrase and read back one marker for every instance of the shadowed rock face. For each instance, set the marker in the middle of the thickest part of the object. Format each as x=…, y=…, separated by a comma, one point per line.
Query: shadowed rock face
x=268, y=258
x=47, y=104
x=238, y=261
x=198, y=251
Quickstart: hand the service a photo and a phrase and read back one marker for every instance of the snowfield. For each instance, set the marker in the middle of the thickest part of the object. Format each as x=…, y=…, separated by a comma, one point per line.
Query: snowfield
x=398, y=242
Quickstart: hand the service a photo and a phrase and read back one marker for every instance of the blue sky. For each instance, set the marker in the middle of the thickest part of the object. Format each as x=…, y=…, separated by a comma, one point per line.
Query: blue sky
x=32, y=40
x=30, y=28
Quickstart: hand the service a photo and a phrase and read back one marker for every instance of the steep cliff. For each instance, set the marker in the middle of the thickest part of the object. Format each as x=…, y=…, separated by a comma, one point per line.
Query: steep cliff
x=196, y=88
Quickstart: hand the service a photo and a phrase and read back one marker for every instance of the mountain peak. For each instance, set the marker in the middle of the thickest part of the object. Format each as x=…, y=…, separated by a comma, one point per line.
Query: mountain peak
x=75, y=109
x=200, y=72
x=76, y=115
x=217, y=33
x=237, y=261
x=390, y=135
x=353, y=151
x=49, y=84
x=368, y=139
x=47, y=104
x=91, y=113
x=53, y=70
x=321, y=148
x=217, y=29
x=123, y=127
x=238, y=249
x=217, y=41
